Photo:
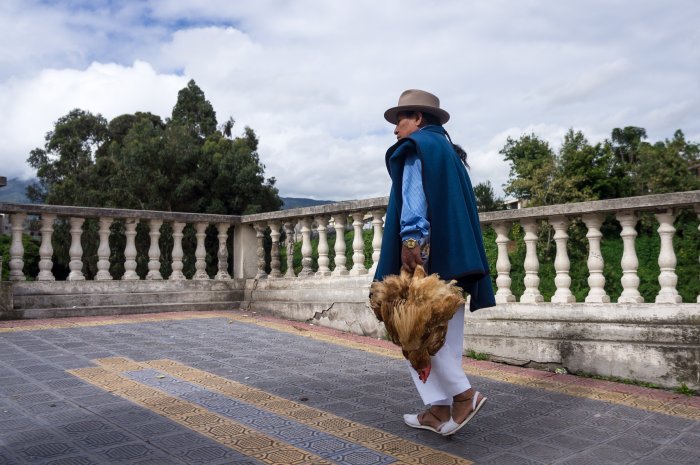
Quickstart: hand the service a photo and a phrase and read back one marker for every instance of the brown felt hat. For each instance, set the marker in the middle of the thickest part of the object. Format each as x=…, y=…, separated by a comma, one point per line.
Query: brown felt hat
x=417, y=100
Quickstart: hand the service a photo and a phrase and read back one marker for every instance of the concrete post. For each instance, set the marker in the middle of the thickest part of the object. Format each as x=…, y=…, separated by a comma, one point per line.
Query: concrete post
x=630, y=263
x=340, y=259
x=562, y=264
x=154, y=250
x=17, y=247
x=245, y=258
x=177, y=252
x=76, y=250
x=46, y=249
x=130, y=250
x=358, y=246
x=532, y=265
x=667, y=260
x=503, y=295
x=275, y=263
x=103, y=251
x=596, y=280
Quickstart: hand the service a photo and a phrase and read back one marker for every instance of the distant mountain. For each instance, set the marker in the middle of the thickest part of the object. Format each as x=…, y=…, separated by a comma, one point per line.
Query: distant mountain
x=15, y=191
x=299, y=202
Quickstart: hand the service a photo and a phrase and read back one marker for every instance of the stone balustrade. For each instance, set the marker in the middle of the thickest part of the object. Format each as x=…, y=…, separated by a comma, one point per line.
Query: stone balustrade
x=317, y=221
x=320, y=222
x=665, y=208
x=47, y=215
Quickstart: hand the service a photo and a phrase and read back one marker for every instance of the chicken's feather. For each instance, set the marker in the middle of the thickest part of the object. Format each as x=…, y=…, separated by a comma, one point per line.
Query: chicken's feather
x=415, y=310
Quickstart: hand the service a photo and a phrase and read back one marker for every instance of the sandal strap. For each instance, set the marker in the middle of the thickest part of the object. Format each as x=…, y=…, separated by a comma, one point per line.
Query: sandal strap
x=431, y=412
x=473, y=398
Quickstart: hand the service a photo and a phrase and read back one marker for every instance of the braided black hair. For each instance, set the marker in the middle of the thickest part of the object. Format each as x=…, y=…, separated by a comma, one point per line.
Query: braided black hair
x=432, y=119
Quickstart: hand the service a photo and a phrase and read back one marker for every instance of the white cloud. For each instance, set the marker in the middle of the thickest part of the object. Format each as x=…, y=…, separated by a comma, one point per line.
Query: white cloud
x=313, y=78
x=32, y=106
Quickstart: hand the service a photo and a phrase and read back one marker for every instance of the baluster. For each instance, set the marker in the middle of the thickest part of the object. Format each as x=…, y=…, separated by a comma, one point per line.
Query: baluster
x=503, y=281
x=177, y=253
x=630, y=263
x=46, y=249
x=377, y=224
x=222, y=252
x=562, y=264
x=260, y=249
x=200, y=252
x=275, y=250
x=532, y=265
x=340, y=259
x=306, y=250
x=17, y=248
x=103, y=251
x=289, y=232
x=358, y=246
x=596, y=280
x=130, y=250
x=323, y=260
x=154, y=250
x=76, y=250
x=667, y=259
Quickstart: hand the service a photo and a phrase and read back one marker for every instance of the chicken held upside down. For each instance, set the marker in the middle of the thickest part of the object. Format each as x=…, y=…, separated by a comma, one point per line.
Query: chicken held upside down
x=415, y=309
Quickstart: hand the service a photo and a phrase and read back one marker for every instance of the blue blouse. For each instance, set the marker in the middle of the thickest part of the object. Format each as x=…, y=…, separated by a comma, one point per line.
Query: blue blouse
x=414, y=213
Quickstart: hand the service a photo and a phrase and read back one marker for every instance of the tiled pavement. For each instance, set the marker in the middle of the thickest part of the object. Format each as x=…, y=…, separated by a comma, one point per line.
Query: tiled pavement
x=228, y=388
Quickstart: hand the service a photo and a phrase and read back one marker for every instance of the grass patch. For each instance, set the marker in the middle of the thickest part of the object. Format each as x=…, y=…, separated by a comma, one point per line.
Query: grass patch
x=477, y=355
x=685, y=390
x=617, y=379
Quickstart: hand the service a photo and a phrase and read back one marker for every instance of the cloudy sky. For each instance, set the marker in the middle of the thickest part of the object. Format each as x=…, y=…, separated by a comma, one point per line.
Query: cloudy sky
x=313, y=77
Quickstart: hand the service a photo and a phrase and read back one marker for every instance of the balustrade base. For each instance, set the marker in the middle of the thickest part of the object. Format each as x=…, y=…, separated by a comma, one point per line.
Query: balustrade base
x=656, y=343
x=92, y=298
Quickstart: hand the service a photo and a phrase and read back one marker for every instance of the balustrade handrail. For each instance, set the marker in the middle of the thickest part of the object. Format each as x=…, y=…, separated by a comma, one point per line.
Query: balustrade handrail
x=653, y=203
x=348, y=206
x=98, y=212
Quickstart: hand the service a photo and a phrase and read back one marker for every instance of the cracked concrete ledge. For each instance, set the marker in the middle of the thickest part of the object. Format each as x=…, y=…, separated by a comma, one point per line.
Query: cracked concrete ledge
x=656, y=343
x=336, y=302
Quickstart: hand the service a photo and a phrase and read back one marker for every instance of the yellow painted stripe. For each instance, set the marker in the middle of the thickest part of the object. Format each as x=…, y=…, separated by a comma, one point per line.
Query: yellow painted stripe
x=371, y=438
x=221, y=429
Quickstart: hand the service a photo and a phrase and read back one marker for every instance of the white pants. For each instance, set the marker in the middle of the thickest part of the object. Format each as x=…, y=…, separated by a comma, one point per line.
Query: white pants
x=447, y=377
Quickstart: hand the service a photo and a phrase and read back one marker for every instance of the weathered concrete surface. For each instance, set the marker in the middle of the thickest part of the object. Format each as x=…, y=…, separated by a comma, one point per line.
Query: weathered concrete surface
x=90, y=298
x=5, y=297
x=658, y=343
x=338, y=303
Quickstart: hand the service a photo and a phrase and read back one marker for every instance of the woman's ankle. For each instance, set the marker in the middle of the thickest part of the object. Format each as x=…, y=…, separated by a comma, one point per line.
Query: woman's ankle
x=464, y=396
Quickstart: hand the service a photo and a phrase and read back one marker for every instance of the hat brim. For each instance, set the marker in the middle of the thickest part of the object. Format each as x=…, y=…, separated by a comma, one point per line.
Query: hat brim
x=391, y=115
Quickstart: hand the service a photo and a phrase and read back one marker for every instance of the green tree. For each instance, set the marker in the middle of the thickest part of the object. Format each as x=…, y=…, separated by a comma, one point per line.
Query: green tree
x=664, y=166
x=626, y=143
x=139, y=161
x=532, y=169
x=194, y=111
x=588, y=172
x=65, y=164
x=486, y=200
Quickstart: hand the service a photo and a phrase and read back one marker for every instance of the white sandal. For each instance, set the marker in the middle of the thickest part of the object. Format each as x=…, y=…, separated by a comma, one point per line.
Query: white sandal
x=412, y=420
x=451, y=427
